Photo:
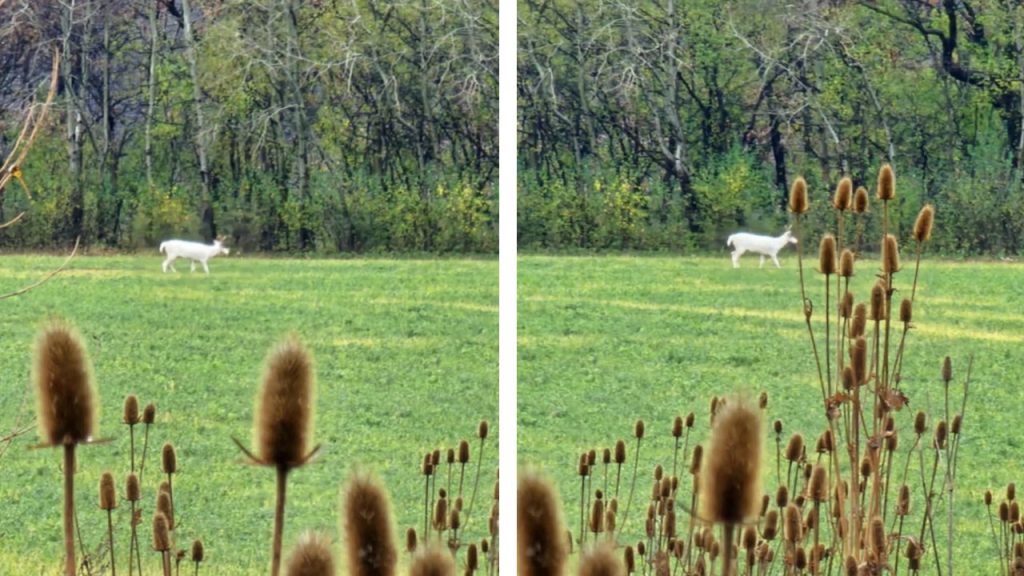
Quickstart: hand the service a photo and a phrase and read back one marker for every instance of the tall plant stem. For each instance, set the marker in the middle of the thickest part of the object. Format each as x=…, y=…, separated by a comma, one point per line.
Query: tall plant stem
x=131, y=544
x=808, y=309
x=275, y=562
x=728, y=542
x=476, y=481
x=69, y=509
x=167, y=562
x=110, y=538
x=632, y=485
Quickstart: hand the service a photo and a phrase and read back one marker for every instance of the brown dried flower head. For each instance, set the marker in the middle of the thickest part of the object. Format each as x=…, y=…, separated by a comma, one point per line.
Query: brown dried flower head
x=923, y=224
x=366, y=518
x=108, y=496
x=284, y=419
x=798, y=203
x=860, y=200
x=886, y=183
x=311, y=556
x=66, y=400
x=541, y=548
x=827, y=255
x=731, y=475
x=131, y=409
x=844, y=195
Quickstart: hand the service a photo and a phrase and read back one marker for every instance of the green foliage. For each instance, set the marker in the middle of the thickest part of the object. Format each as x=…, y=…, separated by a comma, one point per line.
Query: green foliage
x=161, y=215
x=406, y=360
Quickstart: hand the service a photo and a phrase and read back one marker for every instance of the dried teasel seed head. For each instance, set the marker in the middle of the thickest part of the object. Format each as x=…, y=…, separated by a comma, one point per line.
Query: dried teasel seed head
x=947, y=370
x=131, y=409
x=940, y=435
x=848, y=378
x=762, y=401
x=428, y=465
x=819, y=484
x=903, y=503
x=1011, y=492
x=66, y=400
x=583, y=469
x=482, y=429
x=798, y=203
x=988, y=497
x=860, y=312
x=766, y=501
x=659, y=472
x=850, y=566
x=878, y=538
x=161, y=533
x=920, y=423
x=886, y=183
x=638, y=429
x=541, y=548
x=777, y=426
x=463, y=452
x=827, y=255
x=169, y=459
x=311, y=556
x=164, y=507
x=844, y=195
x=890, y=255
x=108, y=496
x=792, y=524
x=749, y=538
x=629, y=558
x=597, y=516
x=906, y=311
x=620, y=451
x=846, y=263
x=606, y=456
x=441, y=514
x=695, y=459
x=149, y=413
x=435, y=457
x=366, y=523
x=859, y=360
x=609, y=520
x=450, y=456
x=878, y=311
x=433, y=561
x=677, y=427
x=954, y=428
x=795, y=448
x=410, y=540
x=782, y=496
x=923, y=224
x=284, y=419
x=771, y=525
x=1004, y=512
x=800, y=560
x=690, y=418
x=198, y=552
x=1014, y=511
x=860, y=200
x=846, y=306
x=131, y=488
x=591, y=458
x=472, y=558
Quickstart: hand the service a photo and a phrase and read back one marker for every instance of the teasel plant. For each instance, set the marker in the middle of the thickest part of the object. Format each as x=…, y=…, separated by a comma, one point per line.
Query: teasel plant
x=311, y=556
x=366, y=524
x=66, y=410
x=283, y=426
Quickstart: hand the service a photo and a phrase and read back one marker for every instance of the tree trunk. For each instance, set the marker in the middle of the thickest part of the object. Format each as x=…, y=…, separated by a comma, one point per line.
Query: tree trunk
x=209, y=227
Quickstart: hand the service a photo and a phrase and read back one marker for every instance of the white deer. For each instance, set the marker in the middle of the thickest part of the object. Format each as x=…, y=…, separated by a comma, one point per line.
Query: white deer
x=194, y=251
x=763, y=245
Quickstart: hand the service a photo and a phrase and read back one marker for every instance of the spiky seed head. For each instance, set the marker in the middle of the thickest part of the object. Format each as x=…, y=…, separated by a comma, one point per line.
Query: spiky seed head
x=584, y=467
x=591, y=457
x=886, y=183
x=695, y=459
x=798, y=203
x=108, y=497
x=485, y=546
x=161, y=533
x=860, y=200
x=846, y=261
x=920, y=423
x=792, y=524
x=677, y=427
x=66, y=400
x=988, y=498
x=1014, y=511
x=609, y=520
x=906, y=311
x=659, y=472
x=472, y=561
x=163, y=506
x=541, y=549
x=606, y=456
x=311, y=556
x=892, y=441
x=630, y=560
x=954, y=428
x=878, y=539
x=410, y=540
x=878, y=302
x=749, y=539
x=455, y=518
x=428, y=465
x=800, y=560
x=771, y=525
x=782, y=496
x=597, y=516
x=638, y=429
x=463, y=452
x=844, y=195
x=366, y=523
x=149, y=413
x=131, y=488
x=620, y=452
x=860, y=312
x=859, y=360
x=940, y=435
x=923, y=224
x=198, y=552
x=1004, y=511
x=482, y=429
x=762, y=401
x=284, y=420
x=849, y=379
x=903, y=503
x=131, y=409
x=690, y=418
x=795, y=447
x=169, y=459
x=846, y=306
x=1011, y=492
x=732, y=477
x=827, y=255
x=819, y=484
x=947, y=370
x=766, y=501
x=890, y=255
x=777, y=426
x=450, y=456
x=435, y=457
x=441, y=514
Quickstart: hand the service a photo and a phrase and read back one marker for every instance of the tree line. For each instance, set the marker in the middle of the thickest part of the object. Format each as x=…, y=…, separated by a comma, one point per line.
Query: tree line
x=670, y=124
x=283, y=125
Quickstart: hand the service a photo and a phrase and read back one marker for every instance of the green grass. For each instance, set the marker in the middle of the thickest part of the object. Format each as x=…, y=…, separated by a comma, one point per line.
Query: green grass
x=406, y=355
x=608, y=339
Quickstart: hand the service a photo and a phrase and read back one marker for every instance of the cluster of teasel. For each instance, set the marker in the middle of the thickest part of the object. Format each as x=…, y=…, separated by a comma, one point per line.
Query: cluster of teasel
x=846, y=505
x=67, y=405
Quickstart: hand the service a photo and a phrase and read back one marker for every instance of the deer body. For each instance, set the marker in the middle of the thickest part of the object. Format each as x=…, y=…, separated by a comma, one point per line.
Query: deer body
x=194, y=251
x=763, y=245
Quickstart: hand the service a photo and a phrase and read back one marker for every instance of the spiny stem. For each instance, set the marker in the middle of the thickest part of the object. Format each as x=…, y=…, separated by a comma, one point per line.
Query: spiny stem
x=69, y=509
x=275, y=562
x=110, y=537
x=629, y=501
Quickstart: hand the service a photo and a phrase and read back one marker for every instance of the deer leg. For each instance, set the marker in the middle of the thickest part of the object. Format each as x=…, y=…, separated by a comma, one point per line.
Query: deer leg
x=775, y=258
x=205, y=267
x=761, y=265
x=736, y=258
x=193, y=265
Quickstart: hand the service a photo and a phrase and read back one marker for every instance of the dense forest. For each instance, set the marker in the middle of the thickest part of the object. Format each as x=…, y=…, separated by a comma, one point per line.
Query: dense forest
x=283, y=125
x=670, y=124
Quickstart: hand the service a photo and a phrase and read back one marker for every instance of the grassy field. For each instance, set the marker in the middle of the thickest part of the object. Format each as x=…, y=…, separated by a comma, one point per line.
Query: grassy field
x=406, y=355
x=606, y=340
